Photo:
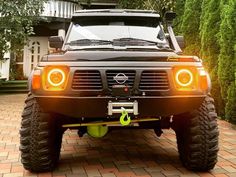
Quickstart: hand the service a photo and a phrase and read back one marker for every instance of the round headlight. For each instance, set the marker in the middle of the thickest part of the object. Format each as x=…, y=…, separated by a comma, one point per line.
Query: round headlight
x=184, y=77
x=56, y=77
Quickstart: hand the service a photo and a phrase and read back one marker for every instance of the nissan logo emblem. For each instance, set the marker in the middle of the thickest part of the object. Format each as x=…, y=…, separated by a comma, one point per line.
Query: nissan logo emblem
x=120, y=78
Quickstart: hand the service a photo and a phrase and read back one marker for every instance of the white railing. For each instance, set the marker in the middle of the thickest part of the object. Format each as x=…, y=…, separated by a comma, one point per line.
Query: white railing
x=100, y=2
x=60, y=9
x=4, y=66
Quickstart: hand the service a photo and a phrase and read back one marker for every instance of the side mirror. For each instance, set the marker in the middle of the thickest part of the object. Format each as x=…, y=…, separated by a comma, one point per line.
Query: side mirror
x=56, y=42
x=169, y=17
x=180, y=40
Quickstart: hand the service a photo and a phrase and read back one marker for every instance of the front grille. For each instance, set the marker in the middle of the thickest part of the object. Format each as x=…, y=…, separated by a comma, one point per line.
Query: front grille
x=112, y=73
x=87, y=80
x=154, y=81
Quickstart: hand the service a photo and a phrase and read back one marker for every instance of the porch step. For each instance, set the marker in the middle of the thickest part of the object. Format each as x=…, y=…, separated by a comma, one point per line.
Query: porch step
x=18, y=86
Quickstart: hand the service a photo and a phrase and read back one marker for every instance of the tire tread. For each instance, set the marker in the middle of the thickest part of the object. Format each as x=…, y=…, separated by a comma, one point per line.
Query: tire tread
x=198, y=146
x=40, y=143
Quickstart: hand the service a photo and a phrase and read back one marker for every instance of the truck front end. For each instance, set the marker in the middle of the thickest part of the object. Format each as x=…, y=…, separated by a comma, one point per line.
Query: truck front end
x=119, y=68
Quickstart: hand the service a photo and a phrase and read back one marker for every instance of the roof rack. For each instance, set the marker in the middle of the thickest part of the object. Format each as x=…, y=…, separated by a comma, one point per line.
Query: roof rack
x=117, y=12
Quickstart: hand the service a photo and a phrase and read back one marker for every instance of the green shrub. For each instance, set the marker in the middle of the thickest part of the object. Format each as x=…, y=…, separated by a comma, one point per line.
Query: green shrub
x=190, y=26
x=179, y=9
x=227, y=58
x=210, y=48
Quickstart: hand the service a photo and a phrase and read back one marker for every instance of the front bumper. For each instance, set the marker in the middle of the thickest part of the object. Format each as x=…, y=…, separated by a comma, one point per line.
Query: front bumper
x=90, y=89
x=97, y=107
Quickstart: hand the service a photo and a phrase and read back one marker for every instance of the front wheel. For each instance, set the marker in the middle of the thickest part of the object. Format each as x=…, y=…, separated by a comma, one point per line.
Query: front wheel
x=40, y=138
x=197, y=137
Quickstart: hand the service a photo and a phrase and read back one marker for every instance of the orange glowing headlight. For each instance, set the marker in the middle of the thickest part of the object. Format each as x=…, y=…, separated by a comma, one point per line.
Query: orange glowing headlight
x=188, y=78
x=185, y=77
x=55, y=77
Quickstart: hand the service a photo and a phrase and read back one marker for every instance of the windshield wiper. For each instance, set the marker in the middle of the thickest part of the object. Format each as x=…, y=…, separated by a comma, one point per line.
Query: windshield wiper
x=121, y=42
x=140, y=42
x=134, y=41
x=84, y=42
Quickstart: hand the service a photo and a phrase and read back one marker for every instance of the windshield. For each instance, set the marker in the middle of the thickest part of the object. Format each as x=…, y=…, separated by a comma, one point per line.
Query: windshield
x=116, y=31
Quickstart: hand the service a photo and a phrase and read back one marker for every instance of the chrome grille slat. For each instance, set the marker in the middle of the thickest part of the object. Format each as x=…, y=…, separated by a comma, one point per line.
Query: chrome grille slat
x=81, y=76
x=87, y=80
x=154, y=80
x=80, y=84
x=158, y=77
x=86, y=86
x=151, y=83
x=154, y=87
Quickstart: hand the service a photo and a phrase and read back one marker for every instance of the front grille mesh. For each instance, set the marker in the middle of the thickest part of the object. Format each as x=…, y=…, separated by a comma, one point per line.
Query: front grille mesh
x=87, y=80
x=154, y=81
x=151, y=80
x=112, y=73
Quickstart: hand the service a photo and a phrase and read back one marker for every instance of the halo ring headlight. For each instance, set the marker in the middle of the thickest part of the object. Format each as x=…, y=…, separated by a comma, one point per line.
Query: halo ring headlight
x=56, y=77
x=184, y=77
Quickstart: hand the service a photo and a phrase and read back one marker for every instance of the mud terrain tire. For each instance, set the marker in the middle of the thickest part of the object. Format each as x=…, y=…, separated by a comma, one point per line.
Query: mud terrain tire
x=197, y=137
x=40, y=138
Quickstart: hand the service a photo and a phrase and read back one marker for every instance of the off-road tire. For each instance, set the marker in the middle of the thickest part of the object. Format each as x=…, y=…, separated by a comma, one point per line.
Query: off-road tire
x=40, y=138
x=197, y=137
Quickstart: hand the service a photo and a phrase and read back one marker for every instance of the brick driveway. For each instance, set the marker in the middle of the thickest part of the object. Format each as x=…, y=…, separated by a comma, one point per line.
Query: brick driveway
x=120, y=154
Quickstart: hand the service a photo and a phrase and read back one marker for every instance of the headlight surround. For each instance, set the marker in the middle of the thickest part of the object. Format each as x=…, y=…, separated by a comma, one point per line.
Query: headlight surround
x=189, y=78
x=185, y=78
x=55, y=77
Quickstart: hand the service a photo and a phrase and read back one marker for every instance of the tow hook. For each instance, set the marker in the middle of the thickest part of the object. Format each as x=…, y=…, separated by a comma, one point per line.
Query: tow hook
x=124, y=118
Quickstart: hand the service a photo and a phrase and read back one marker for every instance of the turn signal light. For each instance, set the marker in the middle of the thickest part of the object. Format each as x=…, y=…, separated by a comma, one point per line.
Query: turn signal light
x=203, y=81
x=55, y=77
x=36, y=80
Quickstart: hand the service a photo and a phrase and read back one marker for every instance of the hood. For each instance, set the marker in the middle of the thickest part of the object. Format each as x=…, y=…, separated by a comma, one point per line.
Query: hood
x=109, y=56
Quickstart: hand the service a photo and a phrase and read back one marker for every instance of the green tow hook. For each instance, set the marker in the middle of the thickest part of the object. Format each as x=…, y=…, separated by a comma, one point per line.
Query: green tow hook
x=124, y=118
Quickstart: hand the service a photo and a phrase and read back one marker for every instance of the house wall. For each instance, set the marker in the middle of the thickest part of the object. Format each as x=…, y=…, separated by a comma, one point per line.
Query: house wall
x=55, y=19
x=59, y=9
x=4, y=66
x=37, y=47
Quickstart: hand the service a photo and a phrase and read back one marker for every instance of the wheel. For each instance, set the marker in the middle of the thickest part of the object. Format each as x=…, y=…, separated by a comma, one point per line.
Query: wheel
x=197, y=137
x=40, y=138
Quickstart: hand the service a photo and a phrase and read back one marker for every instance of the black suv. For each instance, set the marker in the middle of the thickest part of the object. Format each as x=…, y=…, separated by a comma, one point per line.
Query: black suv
x=119, y=68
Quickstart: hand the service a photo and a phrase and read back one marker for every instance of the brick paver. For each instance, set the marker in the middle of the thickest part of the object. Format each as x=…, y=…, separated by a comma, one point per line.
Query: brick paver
x=120, y=154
